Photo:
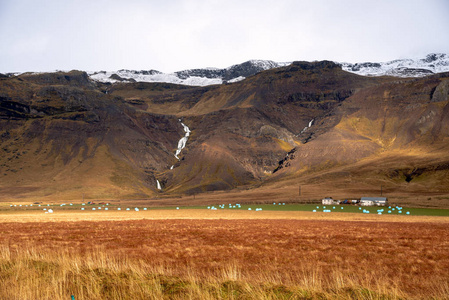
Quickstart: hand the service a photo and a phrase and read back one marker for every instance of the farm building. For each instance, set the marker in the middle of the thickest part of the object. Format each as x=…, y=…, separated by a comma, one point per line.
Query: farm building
x=372, y=201
x=366, y=203
x=329, y=201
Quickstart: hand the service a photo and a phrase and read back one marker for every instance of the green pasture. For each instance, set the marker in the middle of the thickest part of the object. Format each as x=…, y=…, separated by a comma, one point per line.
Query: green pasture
x=319, y=209
x=387, y=210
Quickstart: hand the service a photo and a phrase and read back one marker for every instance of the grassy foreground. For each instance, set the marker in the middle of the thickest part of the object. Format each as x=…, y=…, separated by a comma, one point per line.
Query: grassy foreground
x=224, y=259
x=34, y=275
x=45, y=278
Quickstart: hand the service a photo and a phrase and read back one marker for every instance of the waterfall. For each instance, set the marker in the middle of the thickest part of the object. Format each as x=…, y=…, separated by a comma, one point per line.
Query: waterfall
x=183, y=141
x=307, y=127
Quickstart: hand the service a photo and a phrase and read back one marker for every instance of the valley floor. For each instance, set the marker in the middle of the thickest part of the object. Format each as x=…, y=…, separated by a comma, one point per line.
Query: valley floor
x=227, y=254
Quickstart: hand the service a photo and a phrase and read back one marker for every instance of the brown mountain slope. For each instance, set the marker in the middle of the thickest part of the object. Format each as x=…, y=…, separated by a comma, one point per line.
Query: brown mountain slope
x=394, y=134
x=63, y=135
x=242, y=130
x=60, y=137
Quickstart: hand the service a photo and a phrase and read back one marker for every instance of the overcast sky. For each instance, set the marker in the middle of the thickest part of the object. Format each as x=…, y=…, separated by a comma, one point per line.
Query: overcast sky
x=173, y=35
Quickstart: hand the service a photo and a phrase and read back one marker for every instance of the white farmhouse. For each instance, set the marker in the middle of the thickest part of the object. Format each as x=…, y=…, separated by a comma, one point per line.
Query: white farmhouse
x=372, y=201
x=366, y=203
x=327, y=201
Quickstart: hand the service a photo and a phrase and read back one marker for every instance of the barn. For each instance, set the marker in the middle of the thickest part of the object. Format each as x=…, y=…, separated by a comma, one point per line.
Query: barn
x=373, y=201
x=327, y=201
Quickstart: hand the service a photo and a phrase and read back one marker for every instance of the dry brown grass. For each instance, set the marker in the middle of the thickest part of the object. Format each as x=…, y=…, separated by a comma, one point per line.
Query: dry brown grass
x=202, y=214
x=224, y=258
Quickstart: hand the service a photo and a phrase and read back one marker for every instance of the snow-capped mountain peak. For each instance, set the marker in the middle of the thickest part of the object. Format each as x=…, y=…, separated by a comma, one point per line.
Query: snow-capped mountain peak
x=432, y=63
x=419, y=67
x=195, y=77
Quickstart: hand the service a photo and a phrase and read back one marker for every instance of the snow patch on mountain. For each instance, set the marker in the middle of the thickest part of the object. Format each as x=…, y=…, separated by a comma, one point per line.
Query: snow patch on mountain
x=237, y=79
x=419, y=67
x=144, y=76
x=193, y=77
x=431, y=64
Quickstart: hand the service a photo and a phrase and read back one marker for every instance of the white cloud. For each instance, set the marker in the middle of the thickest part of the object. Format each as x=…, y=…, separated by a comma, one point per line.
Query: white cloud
x=181, y=34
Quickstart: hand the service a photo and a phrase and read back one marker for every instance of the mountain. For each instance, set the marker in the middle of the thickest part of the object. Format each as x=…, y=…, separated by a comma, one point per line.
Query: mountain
x=195, y=77
x=308, y=124
x=431, y=64
x=61, y=136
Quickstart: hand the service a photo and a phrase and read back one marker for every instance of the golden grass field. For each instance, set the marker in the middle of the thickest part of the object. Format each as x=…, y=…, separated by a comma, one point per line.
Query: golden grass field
x=203, y=254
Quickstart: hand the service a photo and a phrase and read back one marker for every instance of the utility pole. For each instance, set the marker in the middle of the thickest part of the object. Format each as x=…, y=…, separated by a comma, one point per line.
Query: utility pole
x=381, y=190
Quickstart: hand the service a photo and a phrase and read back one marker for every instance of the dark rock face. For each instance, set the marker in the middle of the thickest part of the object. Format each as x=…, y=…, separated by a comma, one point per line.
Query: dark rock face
x=411, y=72
x=319, y=65
x=73, y=78
x=305, y=99
x=434, y=57
x=207, y=73
x=285, y=162
x=10, y=109
x=142, y=72
x=117, y=77
x=441, y=92
x=359, y=66
x=245, y=69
